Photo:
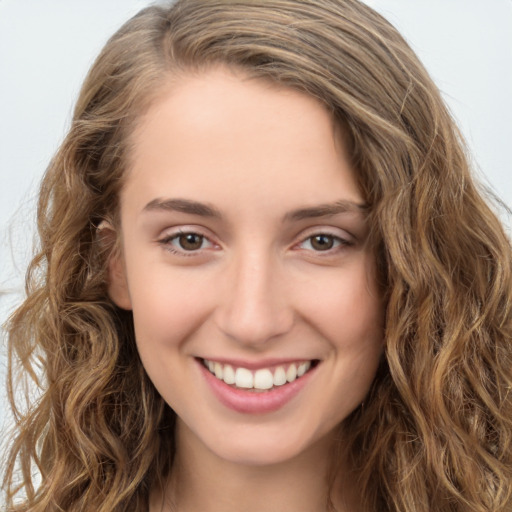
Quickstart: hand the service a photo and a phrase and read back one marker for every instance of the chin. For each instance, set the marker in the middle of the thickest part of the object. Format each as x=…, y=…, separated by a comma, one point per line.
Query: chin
x=263, y=445
x=256, y=454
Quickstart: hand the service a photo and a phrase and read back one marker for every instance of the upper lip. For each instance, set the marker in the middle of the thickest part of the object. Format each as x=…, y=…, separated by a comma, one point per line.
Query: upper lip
x=261, y=363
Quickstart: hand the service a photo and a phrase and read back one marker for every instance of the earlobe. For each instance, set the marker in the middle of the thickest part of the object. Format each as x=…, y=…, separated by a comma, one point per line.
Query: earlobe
x=117, y=284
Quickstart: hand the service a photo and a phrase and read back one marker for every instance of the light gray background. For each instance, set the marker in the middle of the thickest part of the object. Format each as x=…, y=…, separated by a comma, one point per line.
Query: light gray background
x=47, y=46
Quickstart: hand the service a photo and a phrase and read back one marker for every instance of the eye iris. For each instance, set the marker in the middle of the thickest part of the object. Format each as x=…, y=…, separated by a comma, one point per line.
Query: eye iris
x=322, y=242
x=190, y=241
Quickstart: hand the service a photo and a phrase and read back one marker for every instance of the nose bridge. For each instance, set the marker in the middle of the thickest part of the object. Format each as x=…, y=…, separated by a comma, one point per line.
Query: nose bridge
x=254, y=307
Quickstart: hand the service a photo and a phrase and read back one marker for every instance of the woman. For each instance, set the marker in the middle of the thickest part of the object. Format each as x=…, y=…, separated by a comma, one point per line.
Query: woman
x=266, y=279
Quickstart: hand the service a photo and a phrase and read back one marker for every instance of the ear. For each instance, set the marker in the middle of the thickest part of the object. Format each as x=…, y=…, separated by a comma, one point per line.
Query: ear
x=117, y=282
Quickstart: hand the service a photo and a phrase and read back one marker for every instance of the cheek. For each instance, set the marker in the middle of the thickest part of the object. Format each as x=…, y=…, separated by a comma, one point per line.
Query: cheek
x=168, y=305
x=168, y=310
x=352, y=322
x=346, y=307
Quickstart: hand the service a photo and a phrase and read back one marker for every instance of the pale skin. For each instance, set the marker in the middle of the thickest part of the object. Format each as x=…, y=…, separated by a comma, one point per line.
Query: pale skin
x=243, y=239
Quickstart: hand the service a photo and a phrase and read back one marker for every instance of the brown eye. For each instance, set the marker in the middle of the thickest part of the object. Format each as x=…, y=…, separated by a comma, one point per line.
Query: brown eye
x=325, y=242
x=322, y=242
x=190, y=241
x=185, y=243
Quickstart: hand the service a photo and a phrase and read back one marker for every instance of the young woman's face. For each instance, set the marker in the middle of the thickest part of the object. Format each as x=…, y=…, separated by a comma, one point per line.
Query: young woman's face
x=256, y=310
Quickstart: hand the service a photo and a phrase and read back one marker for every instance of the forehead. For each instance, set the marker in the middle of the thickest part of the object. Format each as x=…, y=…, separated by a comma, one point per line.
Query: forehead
x=219, y=132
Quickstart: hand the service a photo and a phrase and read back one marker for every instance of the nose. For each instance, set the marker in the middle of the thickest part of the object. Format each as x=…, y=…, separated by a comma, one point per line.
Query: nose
x=253, y=308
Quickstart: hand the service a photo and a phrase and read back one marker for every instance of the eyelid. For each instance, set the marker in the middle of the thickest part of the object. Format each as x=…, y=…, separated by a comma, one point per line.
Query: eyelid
x=327, y=230
x=344, y=238
x=170, y=234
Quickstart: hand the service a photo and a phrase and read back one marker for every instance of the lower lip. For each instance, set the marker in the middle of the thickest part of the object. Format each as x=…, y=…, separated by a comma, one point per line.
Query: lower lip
x=253, y=402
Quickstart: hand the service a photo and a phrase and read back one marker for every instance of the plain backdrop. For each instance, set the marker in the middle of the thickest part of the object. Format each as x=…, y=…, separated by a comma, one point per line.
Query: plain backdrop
x=47, y=46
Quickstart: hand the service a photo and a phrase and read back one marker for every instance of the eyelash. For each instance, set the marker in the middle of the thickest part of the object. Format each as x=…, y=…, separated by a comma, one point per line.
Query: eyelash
x=167, y=242
x=338, y=242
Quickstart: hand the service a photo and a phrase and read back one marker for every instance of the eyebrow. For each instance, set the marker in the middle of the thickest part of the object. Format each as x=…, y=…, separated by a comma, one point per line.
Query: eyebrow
x=204, y=210
x=183, y=206
x=327, y=210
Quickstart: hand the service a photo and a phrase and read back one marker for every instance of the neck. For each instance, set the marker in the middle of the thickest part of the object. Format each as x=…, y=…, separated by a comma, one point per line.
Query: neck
x=201, y=480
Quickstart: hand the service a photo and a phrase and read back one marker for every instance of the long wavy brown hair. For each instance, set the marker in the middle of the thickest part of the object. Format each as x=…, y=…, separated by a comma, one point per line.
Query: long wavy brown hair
x=435, y=432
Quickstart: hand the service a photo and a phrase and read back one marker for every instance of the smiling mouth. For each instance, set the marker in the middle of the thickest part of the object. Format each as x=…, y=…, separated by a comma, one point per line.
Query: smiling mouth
x=263, y=379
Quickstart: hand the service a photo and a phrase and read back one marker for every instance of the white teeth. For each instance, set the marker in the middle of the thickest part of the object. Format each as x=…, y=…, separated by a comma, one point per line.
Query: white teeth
x=243, y=378
x=261, y=379
x=229, y=374
x=279, y=376
x=303, y=368
x=291, y=373
x=218, y=370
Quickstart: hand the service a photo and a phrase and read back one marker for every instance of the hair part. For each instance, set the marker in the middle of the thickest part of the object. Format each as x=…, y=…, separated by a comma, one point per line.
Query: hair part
x=436, y=429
